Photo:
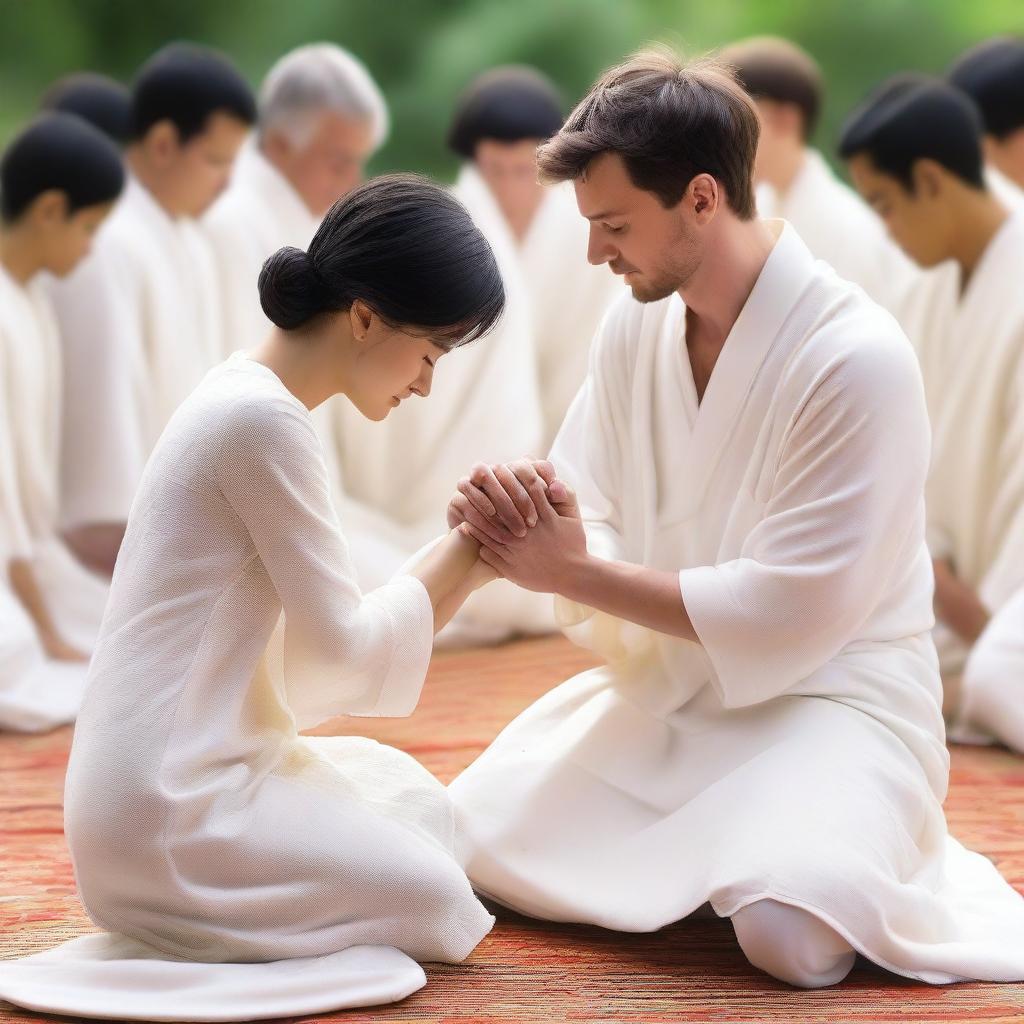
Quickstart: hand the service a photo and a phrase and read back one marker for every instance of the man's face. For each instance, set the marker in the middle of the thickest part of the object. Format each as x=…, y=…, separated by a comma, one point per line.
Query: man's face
x=510, y=171
x=655, y=249
x=197, y=171
x=915, y=220
x=781, y=133
x=328, y=164
x=64, y=239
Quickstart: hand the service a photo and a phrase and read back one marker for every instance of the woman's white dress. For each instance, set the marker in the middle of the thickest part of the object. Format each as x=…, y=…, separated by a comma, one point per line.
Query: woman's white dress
x=202, y=826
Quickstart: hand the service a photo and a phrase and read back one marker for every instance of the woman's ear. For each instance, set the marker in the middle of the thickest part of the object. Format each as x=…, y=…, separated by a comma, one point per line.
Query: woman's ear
x=361, y=319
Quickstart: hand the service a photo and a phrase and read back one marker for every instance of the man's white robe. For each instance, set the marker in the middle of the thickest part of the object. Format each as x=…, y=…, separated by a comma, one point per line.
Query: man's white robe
x=839, y=228
x=971, y=348
x=1006, y=190
x=74, y=596
x=796, y=753
x=140, y=325
x=36, y=693
x=568, y=296
x=484, y=406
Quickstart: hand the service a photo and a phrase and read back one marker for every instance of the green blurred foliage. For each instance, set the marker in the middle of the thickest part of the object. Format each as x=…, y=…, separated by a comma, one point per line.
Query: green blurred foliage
x=424, y=51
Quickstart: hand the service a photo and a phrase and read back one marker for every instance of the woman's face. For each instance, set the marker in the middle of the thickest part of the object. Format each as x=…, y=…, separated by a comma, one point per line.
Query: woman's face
x=390, y=364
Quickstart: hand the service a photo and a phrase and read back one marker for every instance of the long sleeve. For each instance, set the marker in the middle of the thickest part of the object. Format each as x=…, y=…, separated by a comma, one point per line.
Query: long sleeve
x=344, y=652
x=15, y=537
x=844, y=505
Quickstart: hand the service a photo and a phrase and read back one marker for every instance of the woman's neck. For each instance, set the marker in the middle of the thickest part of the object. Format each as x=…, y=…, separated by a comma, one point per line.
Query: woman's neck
x=306, y=362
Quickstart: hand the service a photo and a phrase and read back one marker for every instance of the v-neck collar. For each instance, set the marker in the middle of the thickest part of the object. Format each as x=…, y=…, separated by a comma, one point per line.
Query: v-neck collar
x=782, y=280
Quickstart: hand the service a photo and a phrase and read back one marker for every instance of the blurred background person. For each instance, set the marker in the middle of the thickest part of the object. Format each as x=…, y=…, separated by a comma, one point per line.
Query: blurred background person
x=914, y=152
x=139, y=320
x=795, y=182
x=321, y=116
x=58, y=181
x=992, y=74
x=105, y=103
x=499, y=121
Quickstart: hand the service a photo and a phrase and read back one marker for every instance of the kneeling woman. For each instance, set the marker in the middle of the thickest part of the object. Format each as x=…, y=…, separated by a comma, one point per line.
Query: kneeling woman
x=205, y=832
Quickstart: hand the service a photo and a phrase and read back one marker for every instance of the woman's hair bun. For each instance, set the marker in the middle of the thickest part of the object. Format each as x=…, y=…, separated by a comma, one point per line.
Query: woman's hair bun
x=291, y=292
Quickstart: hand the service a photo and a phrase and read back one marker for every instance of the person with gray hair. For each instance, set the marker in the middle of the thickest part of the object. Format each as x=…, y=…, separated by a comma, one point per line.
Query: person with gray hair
x=321, y=116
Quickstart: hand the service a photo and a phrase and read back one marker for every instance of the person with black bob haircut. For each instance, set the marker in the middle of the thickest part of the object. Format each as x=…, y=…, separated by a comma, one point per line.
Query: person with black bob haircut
x=330, y=862
x=992, y=74
x=914, y=151
x=794, y=181
x=59, y=178
x=141, y=320
x=103, y=102
x=498, y=122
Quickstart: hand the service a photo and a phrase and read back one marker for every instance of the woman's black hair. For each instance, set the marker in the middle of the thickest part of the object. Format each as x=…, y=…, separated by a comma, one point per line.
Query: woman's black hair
x=186, y=84
x=59, y=152
x=103, y=102
x=509, y=104
x=404, y=246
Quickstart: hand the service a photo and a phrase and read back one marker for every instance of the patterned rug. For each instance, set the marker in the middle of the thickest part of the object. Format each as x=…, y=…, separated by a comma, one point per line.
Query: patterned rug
x=525, y=970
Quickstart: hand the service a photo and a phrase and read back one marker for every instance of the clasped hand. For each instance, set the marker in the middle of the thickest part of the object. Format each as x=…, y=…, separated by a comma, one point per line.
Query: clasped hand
x=526, y=521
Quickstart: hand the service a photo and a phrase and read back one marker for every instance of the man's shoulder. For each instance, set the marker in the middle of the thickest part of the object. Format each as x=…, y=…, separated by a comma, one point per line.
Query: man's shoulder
x=629, y=322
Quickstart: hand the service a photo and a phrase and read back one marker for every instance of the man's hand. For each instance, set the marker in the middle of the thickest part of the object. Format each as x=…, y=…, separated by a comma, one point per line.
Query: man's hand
x=956, y=604
x=502, y=502
x=550, y=553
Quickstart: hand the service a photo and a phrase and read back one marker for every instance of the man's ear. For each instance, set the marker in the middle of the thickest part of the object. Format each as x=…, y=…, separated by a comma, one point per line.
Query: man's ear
x=702, y=197
x=361, y=319
x=928, y=177
x=49, y=208
x=162, y=141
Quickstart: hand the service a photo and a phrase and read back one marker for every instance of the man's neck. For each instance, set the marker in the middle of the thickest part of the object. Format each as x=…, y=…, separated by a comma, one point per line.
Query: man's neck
x=979, y=216
x=283, y=172
x=18, y=256
x=732, y=263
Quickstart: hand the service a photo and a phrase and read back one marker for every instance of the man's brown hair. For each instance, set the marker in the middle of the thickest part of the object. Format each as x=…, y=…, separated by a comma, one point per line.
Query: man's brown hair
x=773, y=68
x=668, y=121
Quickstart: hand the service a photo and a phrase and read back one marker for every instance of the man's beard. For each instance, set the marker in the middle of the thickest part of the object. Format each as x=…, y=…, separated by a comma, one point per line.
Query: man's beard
x=672, y=275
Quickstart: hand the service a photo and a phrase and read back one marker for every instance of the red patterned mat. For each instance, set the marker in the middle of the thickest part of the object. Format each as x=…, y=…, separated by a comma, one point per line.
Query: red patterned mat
x=526, y=970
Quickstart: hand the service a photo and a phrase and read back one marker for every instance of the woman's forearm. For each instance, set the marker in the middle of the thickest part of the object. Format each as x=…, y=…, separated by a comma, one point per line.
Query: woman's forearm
x=446, y=574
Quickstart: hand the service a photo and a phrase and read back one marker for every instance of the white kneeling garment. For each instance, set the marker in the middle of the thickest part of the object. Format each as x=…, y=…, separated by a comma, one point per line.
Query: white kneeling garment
x=484, y=406
x=258, y=214
x=971, y=348
x=992, y=696
x=140, y=326
x=206, y=834
x=36, y=692
x=74, y=596
x=568, y=296
x=839, y=228
x=796, y=754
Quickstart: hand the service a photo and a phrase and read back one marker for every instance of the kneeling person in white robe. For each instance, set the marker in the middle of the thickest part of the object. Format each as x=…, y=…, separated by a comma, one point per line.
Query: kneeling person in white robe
x=915, y=152
x=793, y=179
x=58, y=180
x=992, y=74
x=320, y=118
x=749, y=453
x=105, y=103
x=139, y=319
x=334, y=857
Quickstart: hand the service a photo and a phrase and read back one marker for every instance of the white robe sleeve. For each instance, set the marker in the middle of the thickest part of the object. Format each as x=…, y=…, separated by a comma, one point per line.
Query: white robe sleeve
x=15, y=536
x=344, y=652
x=1006, y=573
x=844, y=502
x=589, y=454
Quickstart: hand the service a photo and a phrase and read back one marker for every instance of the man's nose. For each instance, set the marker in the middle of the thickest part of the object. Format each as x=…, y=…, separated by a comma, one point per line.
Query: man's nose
x=598, y=251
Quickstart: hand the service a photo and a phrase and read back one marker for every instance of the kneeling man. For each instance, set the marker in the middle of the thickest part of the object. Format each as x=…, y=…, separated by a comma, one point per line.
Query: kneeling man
x=749, y=453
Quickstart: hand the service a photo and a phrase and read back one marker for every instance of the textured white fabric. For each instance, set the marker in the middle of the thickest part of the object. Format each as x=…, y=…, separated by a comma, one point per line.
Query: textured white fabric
x=199, y=822
x=792, y=945
x=1005, y=189
x=839, y=228
x=797, y=753
x=109, y=976
x=971, y=348
x=75, y=597
x=568, y=297
x=140, y=325
x=992, y=701
x=484, y=406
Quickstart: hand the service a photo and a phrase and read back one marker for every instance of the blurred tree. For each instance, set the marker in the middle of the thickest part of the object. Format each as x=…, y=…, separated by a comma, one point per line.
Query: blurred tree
x=423, y=52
